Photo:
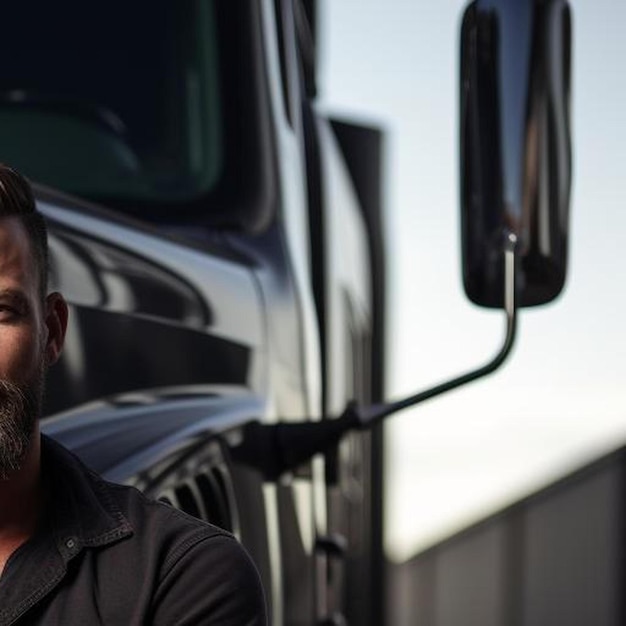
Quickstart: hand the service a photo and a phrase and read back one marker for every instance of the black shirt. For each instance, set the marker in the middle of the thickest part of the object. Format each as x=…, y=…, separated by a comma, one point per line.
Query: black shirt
x=106, y=554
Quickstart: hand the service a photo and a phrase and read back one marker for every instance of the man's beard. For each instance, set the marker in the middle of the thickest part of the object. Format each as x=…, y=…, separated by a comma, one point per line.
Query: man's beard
x=20, y=407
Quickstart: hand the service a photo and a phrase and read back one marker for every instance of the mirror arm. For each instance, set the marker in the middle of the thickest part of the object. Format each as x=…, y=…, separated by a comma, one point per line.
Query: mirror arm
x=281, y=447
x=368, y=416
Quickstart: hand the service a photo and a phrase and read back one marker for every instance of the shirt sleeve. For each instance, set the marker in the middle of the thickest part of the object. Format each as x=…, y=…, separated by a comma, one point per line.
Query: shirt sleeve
x=213, y=583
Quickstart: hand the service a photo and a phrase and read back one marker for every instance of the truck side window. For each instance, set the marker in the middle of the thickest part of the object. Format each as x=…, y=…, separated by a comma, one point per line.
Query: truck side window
x=90, y=107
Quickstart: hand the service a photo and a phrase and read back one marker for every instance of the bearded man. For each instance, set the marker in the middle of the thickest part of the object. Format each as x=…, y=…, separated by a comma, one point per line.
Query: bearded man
x=75, y=549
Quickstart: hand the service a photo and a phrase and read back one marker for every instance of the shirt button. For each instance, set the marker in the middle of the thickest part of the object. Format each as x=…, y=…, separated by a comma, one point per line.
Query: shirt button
x=69, y=544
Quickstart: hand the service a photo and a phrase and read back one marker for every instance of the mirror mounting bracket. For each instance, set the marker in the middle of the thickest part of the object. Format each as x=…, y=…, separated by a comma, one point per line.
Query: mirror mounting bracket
x=278, y=448
x=369, y=416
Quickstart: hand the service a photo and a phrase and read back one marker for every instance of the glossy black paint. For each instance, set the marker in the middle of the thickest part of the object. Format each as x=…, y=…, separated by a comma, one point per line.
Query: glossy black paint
x=126, y=435
x=140, y=320
x=135, y=324
x=515, y=146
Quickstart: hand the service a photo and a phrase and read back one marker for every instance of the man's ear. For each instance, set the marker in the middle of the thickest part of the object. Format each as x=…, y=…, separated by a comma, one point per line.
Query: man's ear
x=56, y=315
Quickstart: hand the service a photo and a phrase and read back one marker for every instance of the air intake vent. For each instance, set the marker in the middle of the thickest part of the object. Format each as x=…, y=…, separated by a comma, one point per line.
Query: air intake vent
x=212, y=486
x=189, y=502
x=198, y=484
x=206, y=497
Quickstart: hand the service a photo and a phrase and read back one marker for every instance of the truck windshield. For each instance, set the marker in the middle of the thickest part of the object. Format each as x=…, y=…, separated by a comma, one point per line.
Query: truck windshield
x=116, y=101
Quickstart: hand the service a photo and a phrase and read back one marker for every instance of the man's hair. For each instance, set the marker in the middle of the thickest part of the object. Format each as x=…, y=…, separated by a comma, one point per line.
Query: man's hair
x=16, y=200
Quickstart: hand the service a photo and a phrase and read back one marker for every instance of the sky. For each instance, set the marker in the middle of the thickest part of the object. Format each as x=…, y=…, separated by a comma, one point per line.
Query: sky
x=559, y=401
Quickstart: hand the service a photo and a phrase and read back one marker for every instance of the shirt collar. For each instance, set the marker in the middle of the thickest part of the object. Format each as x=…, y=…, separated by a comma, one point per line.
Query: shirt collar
x=80, y=506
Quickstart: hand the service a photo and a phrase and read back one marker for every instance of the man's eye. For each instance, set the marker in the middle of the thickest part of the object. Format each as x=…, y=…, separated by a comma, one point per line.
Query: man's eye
x=8, y=312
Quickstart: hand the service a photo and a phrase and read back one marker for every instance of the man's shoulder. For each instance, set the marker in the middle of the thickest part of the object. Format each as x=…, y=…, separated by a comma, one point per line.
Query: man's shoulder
x=148, y=554
x=134, y=527
x=182, y=541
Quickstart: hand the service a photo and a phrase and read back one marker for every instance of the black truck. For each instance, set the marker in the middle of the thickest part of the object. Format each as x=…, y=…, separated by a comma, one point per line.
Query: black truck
x=220, y=241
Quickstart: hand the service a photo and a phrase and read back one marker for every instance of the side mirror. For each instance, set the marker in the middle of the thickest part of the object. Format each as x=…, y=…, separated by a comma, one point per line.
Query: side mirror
x=515, y=147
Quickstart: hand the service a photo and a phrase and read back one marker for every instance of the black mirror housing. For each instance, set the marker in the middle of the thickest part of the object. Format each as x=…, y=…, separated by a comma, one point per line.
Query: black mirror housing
x=515, y=146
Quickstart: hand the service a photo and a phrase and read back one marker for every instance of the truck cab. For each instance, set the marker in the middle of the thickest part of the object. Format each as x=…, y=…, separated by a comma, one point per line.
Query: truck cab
x=219, y=242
